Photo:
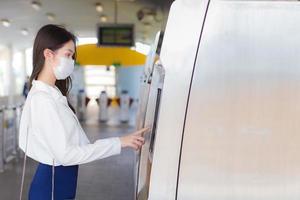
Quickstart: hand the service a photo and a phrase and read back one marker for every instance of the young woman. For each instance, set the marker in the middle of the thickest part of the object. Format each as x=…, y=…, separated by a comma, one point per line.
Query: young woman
x=50, y=132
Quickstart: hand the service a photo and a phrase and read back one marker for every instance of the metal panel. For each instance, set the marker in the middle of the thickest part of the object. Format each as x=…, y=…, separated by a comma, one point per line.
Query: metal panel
x=143, y=102
x=177, y=56
x=145, y=83
x=241, y=139
x=151, y=119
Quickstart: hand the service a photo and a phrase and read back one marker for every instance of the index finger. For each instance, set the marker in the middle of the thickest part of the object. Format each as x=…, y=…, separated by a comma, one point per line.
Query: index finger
x=138, y=132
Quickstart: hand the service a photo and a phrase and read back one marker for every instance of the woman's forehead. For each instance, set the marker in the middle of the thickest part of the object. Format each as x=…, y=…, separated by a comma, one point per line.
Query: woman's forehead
x=69, y=46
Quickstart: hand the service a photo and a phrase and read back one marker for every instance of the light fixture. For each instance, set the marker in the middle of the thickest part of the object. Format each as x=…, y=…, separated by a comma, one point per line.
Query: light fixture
x=147, y=25
x=86, y=40
x=24, y=31
x=149, y=17
x=99, y=7
x=103, y=18
x=36, y=5
x=142, y=47
x=147, y=14
x=50, y=16
x=5, y=22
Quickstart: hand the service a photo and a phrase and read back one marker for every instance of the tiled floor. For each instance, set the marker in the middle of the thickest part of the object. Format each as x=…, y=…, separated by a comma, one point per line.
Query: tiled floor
x=107, y=179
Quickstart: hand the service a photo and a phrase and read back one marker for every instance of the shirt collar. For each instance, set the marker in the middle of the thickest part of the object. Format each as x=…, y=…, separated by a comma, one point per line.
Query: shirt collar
x=52, y=90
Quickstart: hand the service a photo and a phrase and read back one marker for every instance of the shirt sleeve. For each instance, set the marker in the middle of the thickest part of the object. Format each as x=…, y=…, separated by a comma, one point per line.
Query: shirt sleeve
x=49, y=127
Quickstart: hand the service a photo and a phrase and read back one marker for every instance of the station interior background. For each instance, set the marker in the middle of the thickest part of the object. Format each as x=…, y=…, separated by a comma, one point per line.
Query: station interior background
x=98, y=68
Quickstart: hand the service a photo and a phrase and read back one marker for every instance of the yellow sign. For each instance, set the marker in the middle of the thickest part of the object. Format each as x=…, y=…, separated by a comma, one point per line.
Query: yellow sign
x=90, y=54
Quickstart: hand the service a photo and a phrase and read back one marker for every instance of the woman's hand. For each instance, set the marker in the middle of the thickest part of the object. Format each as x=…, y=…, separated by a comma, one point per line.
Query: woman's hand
x=134, y=140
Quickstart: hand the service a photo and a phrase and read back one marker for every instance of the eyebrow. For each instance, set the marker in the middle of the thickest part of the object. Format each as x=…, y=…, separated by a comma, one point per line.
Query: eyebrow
x=70, y=50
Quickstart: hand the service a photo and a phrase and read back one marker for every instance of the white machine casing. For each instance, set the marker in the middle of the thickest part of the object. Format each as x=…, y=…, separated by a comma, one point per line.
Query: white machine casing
x=228, y=126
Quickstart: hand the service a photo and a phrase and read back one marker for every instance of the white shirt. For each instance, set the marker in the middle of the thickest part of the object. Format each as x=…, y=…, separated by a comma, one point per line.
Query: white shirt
x=54, y=131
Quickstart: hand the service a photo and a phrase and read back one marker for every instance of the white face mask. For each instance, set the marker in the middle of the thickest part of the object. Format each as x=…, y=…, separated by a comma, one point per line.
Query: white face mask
x=64, y=69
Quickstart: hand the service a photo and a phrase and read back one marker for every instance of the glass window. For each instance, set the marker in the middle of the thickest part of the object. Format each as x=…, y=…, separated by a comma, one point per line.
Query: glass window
x=28, y=60
x=4, y=78
x=18, y=72
x=98, y=78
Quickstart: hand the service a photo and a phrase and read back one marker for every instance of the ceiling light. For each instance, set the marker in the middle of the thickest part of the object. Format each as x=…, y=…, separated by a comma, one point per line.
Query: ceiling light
x=50, y=16
x=36, y=5
x=149, y=17
x=24, y=31
x=147, y=25
x=5, y=22
x=99, y=7
x=103, y=18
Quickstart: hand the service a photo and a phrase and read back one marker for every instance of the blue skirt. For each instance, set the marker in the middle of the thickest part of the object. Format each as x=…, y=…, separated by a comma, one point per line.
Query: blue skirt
x=65, y=183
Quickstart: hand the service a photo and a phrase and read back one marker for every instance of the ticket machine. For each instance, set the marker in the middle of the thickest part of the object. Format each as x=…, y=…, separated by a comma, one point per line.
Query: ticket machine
x=227, y=125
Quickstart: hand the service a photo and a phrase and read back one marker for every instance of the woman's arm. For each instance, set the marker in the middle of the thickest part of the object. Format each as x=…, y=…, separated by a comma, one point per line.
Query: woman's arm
x=49, y=127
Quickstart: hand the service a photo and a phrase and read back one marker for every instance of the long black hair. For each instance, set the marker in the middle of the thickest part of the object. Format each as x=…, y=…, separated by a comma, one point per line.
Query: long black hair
x=51, y=37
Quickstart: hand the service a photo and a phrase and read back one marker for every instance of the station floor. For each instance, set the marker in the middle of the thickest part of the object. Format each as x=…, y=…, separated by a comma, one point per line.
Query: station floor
x=106, y=179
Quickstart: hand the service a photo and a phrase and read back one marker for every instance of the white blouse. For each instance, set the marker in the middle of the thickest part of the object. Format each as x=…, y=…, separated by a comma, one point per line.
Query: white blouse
x=54, y=131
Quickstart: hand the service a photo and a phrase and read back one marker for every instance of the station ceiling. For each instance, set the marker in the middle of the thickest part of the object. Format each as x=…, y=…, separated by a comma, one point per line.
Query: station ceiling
x=79, y=16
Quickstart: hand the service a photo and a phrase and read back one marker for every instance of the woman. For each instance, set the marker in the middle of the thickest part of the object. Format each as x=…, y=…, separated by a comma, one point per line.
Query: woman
x=49, y=130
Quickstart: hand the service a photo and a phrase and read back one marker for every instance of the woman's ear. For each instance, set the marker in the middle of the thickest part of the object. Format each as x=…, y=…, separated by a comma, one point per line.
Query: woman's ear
x=48, y=54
